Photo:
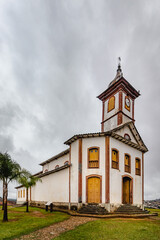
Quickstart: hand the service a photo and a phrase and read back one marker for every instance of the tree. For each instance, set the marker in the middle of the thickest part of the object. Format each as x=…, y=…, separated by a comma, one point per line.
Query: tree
x=27, y=180
x=9, y=171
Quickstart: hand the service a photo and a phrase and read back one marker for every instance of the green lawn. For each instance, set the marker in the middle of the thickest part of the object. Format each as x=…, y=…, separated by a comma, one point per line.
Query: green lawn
x=21, y=223
x=117, y=229
x=151, y=210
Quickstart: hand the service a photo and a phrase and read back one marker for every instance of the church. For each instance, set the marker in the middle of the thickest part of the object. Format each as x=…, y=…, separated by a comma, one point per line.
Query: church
x=104, y=168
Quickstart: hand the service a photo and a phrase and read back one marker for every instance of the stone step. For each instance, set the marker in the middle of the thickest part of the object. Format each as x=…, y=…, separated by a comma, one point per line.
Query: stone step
x=93, y=209
x=130, y=209
x=125, y=212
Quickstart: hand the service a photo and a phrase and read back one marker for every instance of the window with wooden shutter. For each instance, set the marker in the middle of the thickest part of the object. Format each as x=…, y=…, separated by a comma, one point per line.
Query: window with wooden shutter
x=19, y=194
x=138, y=166
x=127, y=163
x=93, y=158
x=111, y=103
x=115, y=159
x=23, y=193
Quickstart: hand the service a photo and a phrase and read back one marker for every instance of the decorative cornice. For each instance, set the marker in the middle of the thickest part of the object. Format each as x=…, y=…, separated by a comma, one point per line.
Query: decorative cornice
x=123, y=84
x=55, y=170
x=111, y=133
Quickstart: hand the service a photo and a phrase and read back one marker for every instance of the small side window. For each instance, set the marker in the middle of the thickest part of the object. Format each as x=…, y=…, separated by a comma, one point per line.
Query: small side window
x=57, y=166
x=115, y=159
x=126, y=136
x=23, y=193
x=66, y=162
x=127, y=163
x=138, y=166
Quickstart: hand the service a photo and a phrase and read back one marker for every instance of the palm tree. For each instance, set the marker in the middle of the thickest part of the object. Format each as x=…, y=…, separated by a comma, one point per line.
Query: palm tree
x=27, y=180
x=9, y=171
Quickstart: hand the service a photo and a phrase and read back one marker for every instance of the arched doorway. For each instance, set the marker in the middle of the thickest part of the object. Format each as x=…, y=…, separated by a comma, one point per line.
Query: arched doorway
x=127, y=190
x=93, y=189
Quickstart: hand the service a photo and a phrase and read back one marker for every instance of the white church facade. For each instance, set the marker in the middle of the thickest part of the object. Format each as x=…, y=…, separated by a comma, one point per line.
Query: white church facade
x=105, y=168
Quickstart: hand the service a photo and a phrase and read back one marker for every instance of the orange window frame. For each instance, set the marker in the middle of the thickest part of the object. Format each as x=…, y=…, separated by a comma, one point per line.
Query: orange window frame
x=115, y=159
x=23, y=193
x=93, y=163
x=111, y=103
x=138, y=169
x=127, y=167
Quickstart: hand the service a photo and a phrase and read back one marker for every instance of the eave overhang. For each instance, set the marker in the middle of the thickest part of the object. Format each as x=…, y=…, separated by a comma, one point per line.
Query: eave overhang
x=55, y=157
x=87, y=135
x=123, y=84
x=111, y=133
x=128, y=142
x=41, y=174
x=54, y=170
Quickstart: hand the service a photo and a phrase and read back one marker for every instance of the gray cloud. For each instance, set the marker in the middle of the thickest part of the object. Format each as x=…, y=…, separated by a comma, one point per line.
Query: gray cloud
x=57, y=56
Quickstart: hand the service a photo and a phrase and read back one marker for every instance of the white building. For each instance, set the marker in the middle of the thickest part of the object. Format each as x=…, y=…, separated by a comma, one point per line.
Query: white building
x=105, y=167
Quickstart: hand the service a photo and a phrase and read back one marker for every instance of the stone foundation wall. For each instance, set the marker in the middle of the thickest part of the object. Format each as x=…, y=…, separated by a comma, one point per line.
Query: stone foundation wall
x=76, y=206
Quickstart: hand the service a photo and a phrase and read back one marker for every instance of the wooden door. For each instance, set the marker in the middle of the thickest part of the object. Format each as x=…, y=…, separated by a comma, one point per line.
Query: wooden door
x=126, y=190
x=94, y=190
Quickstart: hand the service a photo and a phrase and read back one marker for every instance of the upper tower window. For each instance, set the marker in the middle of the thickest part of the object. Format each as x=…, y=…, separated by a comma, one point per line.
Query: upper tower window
x=93, y=158
x=111, y=103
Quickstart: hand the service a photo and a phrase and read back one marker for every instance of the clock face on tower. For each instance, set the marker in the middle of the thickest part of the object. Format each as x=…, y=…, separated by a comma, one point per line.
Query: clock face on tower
x=127, y=103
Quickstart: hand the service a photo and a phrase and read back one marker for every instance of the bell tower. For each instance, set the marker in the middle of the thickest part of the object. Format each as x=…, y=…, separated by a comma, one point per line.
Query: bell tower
x=117, y=102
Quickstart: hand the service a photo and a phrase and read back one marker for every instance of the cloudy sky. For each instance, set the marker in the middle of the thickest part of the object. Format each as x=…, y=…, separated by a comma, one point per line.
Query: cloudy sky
x=56, y=56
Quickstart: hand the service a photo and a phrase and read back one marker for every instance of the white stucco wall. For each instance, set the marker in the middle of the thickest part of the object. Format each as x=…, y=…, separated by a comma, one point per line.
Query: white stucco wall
x=116, y=175
x=112, y=112
x=60, y=161
x=110, y=124
x=88, y=143
x=54, y=187
x=74, y=171
x=23, y=198
x=124, y=130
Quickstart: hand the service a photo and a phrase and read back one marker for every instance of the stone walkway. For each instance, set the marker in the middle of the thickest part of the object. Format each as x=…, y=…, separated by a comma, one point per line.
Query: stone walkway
x=56, y=229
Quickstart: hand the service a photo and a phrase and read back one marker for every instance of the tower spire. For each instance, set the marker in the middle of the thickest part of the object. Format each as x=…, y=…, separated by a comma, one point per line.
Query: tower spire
x=119, y=70
x=119, y=73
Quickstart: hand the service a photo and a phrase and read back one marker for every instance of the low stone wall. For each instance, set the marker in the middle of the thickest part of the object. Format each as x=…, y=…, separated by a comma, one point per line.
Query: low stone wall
x=111, y=208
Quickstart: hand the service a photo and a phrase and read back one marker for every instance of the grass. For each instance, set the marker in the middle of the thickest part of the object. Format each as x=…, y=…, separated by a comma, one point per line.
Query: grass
x=117, y=229
x=151, y=210
x=21, y=223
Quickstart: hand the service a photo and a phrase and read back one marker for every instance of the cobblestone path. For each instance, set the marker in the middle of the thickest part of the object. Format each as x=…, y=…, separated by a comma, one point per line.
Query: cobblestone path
x=56, y=229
